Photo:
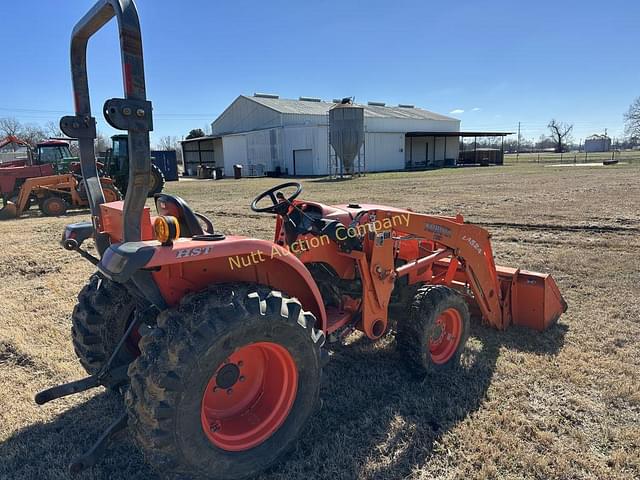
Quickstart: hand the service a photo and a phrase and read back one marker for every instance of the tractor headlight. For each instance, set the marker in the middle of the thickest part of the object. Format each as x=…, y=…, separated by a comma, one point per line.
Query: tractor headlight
x=166, y=229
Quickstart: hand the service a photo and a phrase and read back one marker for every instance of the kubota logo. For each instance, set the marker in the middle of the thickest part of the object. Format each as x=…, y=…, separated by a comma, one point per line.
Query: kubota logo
x=438, y=230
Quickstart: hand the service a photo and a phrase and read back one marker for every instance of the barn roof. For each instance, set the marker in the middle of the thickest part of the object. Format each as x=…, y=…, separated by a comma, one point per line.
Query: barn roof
x=307, y=107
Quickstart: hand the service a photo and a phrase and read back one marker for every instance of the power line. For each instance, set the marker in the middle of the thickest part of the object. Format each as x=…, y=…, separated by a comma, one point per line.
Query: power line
x=62, y=112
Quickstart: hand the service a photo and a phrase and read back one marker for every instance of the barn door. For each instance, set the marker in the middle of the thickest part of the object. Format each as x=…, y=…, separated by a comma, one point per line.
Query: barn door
x=303, y=162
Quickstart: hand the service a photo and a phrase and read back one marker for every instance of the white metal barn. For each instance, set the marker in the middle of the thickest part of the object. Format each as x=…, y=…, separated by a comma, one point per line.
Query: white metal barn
x=597, y=143
x=265, y=133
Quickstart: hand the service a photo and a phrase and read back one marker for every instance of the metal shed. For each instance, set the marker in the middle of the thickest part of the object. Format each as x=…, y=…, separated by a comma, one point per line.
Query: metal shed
x=265, y=133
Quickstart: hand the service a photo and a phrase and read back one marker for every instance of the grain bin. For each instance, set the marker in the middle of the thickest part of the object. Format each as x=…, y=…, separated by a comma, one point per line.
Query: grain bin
x=346, y=133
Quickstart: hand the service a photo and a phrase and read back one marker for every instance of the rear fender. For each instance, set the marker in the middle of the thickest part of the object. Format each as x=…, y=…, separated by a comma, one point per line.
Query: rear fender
x=191, y=265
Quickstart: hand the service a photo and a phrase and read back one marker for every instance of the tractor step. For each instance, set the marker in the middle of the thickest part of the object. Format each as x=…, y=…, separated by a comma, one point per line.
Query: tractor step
x=91, y=456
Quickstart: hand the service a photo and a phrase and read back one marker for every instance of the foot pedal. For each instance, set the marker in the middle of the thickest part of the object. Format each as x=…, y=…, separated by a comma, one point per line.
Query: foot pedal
x=67, y=389
x=91, y=457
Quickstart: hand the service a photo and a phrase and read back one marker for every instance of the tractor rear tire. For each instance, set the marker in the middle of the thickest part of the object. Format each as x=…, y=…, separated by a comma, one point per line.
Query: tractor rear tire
x=201, y=402
x=433, y=335
x=54, y=206
x=157, y=181
x=99, y=320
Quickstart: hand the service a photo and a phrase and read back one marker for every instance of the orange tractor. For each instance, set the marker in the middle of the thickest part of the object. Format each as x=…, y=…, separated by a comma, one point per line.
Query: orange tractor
x=54, y=194
x=218, y=342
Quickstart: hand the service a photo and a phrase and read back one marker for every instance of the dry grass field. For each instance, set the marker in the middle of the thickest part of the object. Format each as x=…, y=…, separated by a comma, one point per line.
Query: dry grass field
x=562, y=404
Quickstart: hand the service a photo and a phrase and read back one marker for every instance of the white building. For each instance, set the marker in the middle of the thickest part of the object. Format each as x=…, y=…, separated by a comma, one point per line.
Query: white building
x=265, y=133
x=597, y=143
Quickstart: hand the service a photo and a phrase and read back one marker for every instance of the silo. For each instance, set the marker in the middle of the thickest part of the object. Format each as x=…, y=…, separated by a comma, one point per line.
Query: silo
x=346, y=133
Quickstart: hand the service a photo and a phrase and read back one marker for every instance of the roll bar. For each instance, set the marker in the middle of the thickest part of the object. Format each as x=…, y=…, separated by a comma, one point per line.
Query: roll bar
x=132, y=113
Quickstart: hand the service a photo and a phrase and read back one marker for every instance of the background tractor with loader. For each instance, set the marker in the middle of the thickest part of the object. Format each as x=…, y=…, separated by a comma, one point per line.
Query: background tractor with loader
x=44, y=178
x=115, y=165
x=218, y=341
x=54, y=157
x=54, y=194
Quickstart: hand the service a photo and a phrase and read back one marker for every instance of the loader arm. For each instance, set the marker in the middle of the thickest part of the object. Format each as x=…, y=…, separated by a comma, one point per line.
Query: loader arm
x=469, y=247
x=457, y=253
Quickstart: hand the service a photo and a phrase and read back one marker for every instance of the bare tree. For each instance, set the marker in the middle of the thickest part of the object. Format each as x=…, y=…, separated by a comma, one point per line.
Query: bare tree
x=101, y=143
x=10, y=127
x=167, y=143
x=53, y=129
x=33, y=134
x=632, y=120
x=560, y=133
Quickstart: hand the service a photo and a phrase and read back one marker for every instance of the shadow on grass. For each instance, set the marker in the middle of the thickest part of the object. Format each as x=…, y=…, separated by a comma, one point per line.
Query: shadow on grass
x=523, y=339
x=372, y=409
x=378, y=421
x=45, y=450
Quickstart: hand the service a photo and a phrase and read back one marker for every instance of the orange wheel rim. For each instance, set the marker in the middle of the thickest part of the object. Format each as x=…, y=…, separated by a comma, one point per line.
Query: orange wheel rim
x=249, y=396
x=56, y=207
x=445, y=337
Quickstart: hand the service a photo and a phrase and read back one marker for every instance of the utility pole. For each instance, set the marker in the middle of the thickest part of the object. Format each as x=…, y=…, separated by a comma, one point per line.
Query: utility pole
x=518, y=146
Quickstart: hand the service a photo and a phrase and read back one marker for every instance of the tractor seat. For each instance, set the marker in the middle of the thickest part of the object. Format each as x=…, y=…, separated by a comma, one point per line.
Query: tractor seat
x=175, y=206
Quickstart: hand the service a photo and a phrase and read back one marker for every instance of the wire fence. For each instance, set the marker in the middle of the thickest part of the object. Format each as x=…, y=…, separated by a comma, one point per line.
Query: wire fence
x=631, y=156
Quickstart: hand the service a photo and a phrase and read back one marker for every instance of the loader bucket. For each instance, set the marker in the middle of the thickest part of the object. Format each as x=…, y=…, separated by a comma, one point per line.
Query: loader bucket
x=536, y=301
x=9, y=211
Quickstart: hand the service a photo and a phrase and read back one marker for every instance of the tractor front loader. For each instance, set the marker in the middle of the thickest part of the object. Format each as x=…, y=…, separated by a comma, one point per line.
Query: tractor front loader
x=218, y=342
x=54, y=194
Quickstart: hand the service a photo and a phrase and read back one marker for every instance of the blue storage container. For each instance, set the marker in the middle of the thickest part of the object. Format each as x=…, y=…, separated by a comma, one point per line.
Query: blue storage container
x=166, y=161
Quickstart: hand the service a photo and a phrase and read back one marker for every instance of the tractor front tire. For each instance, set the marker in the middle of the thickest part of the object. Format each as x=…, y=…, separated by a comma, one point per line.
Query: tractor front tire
x=54, y=206
x=99, y=320
x=225, y=383
x=157, y=181
x=432, y=336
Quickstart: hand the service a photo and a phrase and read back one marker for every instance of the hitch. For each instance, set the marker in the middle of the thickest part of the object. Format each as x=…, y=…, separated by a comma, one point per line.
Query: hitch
x=107, y=376
x=91, y=456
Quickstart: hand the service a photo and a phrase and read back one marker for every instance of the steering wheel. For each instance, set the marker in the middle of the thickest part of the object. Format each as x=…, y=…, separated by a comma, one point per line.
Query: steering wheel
x=278, y=200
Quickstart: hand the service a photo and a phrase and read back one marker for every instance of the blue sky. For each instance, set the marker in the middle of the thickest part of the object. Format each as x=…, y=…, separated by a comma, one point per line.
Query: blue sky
x=499, y=61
